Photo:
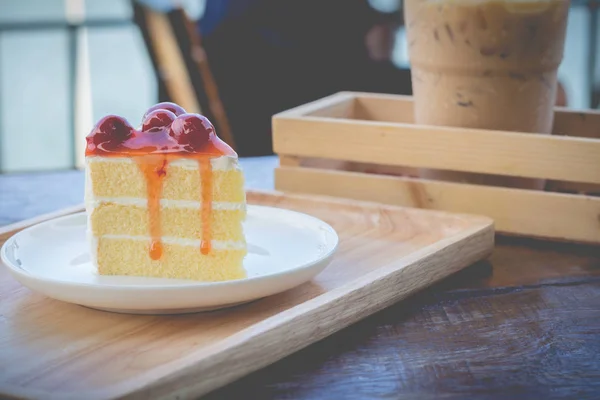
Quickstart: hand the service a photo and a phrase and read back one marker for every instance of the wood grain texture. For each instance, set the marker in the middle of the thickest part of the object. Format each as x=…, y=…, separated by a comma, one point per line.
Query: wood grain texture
x=393, y=108
x=379, y=128
x=398, y=108
x=364, y=138
x=531, y=213
x=50, y=349
x=337, y=105
x=524, y=324
x=466, y=150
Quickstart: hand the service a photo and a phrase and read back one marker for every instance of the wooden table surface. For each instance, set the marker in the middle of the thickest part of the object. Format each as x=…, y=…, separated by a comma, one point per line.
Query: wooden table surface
x=523, y=324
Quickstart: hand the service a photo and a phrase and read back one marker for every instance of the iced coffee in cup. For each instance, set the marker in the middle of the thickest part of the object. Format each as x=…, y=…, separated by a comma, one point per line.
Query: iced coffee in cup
x=487, y=64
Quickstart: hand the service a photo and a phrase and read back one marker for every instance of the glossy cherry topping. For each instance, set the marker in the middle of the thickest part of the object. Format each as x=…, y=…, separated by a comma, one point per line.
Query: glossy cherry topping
x=162, y=132
x=174, y=108
x=109, y=134
x=157, y=119
x=193, y=131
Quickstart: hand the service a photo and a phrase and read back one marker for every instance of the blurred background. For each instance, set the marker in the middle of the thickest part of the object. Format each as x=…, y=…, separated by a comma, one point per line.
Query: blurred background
x=66, y=63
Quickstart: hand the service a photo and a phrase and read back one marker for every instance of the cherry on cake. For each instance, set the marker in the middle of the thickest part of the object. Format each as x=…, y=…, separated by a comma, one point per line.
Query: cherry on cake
x=166, y=200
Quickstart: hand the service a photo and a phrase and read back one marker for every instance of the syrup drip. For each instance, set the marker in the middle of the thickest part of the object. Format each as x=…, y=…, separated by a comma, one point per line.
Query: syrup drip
x=154, y=168
x=206, y=181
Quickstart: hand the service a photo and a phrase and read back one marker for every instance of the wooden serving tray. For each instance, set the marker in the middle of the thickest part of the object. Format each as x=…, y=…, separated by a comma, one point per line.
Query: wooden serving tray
x=365, y=146
x=50, y=349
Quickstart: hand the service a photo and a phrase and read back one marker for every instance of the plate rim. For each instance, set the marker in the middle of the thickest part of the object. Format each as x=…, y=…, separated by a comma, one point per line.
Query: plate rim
x=18, y=270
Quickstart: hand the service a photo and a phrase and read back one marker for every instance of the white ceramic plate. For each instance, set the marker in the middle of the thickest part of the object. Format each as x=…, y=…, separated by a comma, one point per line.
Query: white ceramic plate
x=285, y=249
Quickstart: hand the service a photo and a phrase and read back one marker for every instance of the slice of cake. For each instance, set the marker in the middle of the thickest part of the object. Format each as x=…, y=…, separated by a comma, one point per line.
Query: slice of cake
x=166, y=200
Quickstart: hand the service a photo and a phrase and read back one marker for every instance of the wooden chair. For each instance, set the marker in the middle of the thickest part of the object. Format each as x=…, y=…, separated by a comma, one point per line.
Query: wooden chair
x=180, y=64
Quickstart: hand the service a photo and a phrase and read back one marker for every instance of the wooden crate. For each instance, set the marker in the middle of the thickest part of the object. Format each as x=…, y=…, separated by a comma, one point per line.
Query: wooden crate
x=329, y=146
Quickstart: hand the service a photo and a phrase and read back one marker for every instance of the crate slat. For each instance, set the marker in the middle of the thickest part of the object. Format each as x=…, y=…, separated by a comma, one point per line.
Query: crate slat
x=515, y=211
x=399, y=109
x=577, y=123
x=466, y=150
x=337, y=105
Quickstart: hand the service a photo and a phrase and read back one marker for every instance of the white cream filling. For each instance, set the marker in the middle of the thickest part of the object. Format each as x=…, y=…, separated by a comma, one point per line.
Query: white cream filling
x=216, y=244
x=222, y=163
x=93, y=202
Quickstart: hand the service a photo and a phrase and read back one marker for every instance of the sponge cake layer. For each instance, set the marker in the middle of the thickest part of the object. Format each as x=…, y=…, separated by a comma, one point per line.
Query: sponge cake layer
x=121, y=177
x=119, y=256
x=181, y=222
